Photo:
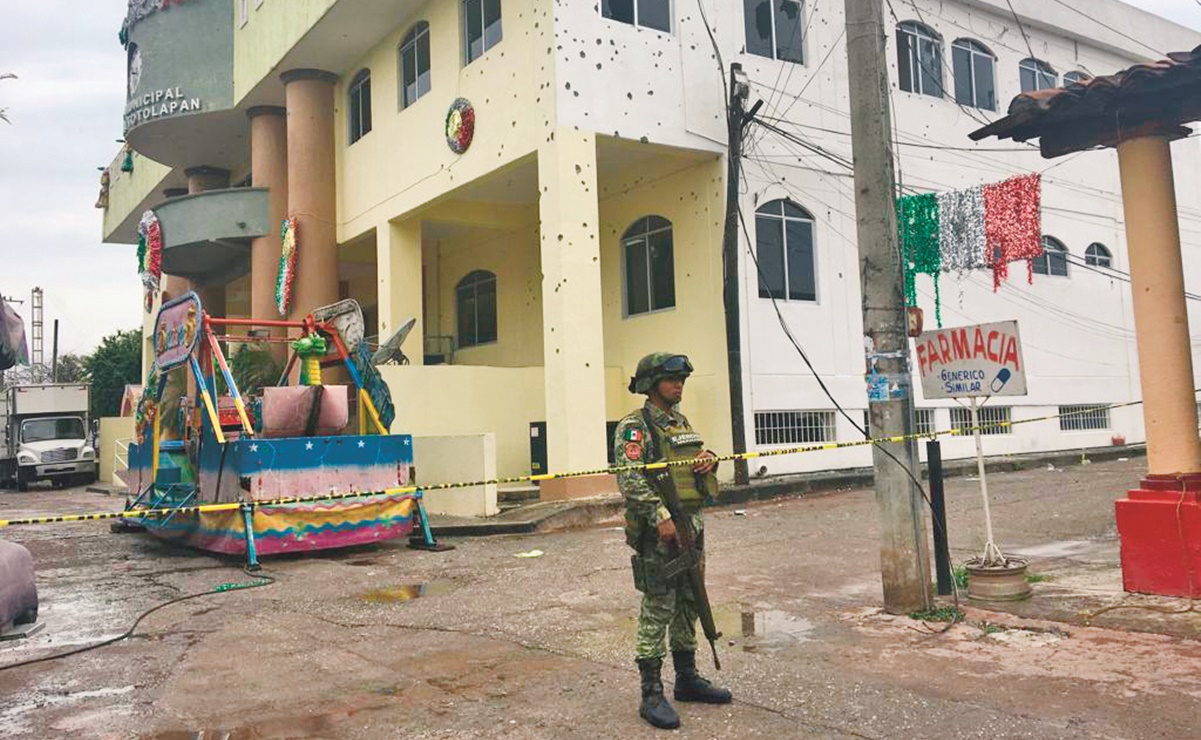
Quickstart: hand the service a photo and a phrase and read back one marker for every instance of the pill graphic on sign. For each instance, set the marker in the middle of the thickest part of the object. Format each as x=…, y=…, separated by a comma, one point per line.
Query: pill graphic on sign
x=1002, y=378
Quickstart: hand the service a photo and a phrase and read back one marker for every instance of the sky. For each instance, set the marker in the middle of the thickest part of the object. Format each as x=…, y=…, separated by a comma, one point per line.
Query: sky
x=65, y=110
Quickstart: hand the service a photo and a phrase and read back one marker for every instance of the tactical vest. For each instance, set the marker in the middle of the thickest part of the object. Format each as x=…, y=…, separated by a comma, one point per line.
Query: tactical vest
x=680, y=442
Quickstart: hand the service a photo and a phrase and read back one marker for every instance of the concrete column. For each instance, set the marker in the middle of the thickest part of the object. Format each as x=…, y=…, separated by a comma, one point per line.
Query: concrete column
x=309, y=95
x=572, y=319
x=200, y=179
x=268, y=169
x=205, y=178
x=398, y=267
x=1160, y=313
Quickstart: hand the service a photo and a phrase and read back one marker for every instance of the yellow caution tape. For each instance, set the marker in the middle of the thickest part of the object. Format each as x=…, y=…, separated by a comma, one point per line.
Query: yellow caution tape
x=419, y=490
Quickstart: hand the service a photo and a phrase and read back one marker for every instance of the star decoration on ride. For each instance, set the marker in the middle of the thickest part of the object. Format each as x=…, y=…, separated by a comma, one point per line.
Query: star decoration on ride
x=362, y=444
x=308, y=445
x=254, y=448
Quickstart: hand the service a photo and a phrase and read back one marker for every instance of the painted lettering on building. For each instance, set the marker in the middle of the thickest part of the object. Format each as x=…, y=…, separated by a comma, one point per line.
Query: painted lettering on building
x=162, y=103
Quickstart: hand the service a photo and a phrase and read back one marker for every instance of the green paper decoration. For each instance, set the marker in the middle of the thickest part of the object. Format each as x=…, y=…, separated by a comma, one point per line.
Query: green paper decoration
x=918, y=231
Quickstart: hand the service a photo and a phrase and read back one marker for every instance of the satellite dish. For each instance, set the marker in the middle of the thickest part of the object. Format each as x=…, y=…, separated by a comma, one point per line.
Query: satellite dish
x=389, y=352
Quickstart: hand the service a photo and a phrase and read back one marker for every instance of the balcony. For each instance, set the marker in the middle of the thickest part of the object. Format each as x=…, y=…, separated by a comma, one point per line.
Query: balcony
x=206, y=236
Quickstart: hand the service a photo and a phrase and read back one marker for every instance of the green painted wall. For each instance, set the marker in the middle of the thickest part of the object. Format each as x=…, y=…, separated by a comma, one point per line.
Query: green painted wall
x=186, y=56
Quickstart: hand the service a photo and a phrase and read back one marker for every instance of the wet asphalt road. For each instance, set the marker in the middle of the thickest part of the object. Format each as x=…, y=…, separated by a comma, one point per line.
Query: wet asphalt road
x=384, y=641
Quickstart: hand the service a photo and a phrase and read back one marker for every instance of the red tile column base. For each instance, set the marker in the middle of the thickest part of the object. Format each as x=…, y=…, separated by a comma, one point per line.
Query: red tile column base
x=1159, y=525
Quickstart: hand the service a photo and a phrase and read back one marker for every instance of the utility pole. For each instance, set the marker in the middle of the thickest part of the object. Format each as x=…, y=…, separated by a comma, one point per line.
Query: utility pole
x=54, y=356
x=904, y=554
x=735, y=123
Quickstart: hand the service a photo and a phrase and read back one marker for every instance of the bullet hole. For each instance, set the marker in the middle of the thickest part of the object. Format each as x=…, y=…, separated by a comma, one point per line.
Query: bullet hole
x=599, y=42
x=515, y=122
x=578, y=170
x=560, y=237
x=575, y=93
x=598, y=65
x=629, y=96
x=587, y=364
x=650, y=92
x=643, y=139
x=583, y=55
x=568, y=85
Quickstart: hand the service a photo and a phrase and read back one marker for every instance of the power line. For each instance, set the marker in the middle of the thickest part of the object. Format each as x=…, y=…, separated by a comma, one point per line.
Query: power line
x=1021, y=28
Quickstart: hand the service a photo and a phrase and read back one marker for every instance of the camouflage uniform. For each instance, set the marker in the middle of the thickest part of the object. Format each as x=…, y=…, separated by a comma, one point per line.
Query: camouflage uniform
x=667, y=606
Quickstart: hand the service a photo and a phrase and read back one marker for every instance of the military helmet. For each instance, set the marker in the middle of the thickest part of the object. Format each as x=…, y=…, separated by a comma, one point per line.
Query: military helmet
x=655, y=367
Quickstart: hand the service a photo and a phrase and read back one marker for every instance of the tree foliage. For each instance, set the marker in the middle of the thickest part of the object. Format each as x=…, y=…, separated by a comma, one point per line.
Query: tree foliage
x=117, y=362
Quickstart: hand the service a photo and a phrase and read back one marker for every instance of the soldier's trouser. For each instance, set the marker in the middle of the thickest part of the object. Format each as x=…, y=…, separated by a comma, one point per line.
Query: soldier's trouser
x=668, y=608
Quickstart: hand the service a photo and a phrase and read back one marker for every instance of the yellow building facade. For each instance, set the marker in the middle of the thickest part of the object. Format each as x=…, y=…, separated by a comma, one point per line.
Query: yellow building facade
x=521, y=258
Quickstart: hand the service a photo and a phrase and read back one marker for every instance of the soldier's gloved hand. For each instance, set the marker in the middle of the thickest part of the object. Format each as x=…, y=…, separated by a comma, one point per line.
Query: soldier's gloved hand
x=667, y=531
x=704, y=463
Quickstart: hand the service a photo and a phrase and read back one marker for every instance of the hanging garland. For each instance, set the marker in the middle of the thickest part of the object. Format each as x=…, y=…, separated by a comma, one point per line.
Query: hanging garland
x=918, y=225
x=961, y=234
x=150, y=255
x=961, y=230
x=287, y=266
x=460, y=125
x=1012, y=230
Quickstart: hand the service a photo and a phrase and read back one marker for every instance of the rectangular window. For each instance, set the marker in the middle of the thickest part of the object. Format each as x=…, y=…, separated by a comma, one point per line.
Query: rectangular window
x=769, y=239
x=788, y=31
x=794, y=427
x=638, y=287
x=663, y=270
x=243, y=12
x=801, y=279
x=1083, y=418
x=775, y=29
x=481, y=27
x=923, y=421
x=654, y=14
x=993, y=420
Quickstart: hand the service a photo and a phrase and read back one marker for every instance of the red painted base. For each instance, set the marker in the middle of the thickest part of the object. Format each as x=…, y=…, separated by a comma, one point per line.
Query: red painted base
x=1159, y=525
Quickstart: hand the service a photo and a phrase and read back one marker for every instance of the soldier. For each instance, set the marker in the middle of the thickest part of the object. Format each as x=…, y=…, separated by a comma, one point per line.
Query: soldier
x=660, y=431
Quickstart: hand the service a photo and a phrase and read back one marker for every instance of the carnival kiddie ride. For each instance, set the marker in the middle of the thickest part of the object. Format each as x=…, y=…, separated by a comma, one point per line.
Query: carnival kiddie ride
x=277, y=474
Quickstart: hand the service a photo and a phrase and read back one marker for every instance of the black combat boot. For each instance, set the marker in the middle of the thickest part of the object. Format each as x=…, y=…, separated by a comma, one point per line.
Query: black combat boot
x=690, y=686
x=654, y=708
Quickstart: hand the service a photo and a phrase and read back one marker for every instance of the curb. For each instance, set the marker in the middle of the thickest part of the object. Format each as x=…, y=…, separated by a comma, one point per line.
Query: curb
x=545, y=517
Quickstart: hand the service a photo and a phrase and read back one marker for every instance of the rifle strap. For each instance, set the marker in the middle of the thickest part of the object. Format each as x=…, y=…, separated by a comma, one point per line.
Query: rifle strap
x=652, y=443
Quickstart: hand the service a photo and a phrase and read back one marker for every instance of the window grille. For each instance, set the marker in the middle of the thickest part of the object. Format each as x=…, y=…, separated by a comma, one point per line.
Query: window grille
x=991, y=417
x=794, y=427
x=1082, y=418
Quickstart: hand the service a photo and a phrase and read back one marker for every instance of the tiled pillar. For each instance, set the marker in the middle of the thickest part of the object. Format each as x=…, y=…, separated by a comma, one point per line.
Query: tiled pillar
x=269, y=169
x=309, y=96
x=200, y=179
x=572, y=319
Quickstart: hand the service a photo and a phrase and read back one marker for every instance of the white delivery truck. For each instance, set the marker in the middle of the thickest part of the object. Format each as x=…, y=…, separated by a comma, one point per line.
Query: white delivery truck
x=44, y=436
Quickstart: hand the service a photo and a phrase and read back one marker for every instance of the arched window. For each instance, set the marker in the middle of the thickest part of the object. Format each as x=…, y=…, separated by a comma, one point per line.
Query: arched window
x=975, y=81
x=1037, y=75
x=649, y=266
x=358, y=105
x=654, y=14
x=1076, y=76
x=1097, y=255
x=475, y=308
x=784, y=249
x=414, y=64
x=774, y=29
x=919, y=59
x=1053, y=260
x=481, y=27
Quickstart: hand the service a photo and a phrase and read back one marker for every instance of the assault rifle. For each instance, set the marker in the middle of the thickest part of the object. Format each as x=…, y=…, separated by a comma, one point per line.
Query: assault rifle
x=689, y=559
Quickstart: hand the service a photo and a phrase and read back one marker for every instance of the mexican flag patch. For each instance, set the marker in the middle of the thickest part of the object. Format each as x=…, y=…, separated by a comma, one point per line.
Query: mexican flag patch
x=633, y=434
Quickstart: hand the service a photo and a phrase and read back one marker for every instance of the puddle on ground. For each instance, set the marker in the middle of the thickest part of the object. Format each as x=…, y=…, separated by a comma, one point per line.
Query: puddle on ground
x=754, y=630
x=404, y=592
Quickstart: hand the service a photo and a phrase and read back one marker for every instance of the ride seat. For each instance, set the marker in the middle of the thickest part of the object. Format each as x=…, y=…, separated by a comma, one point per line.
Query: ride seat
x=286, y=410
